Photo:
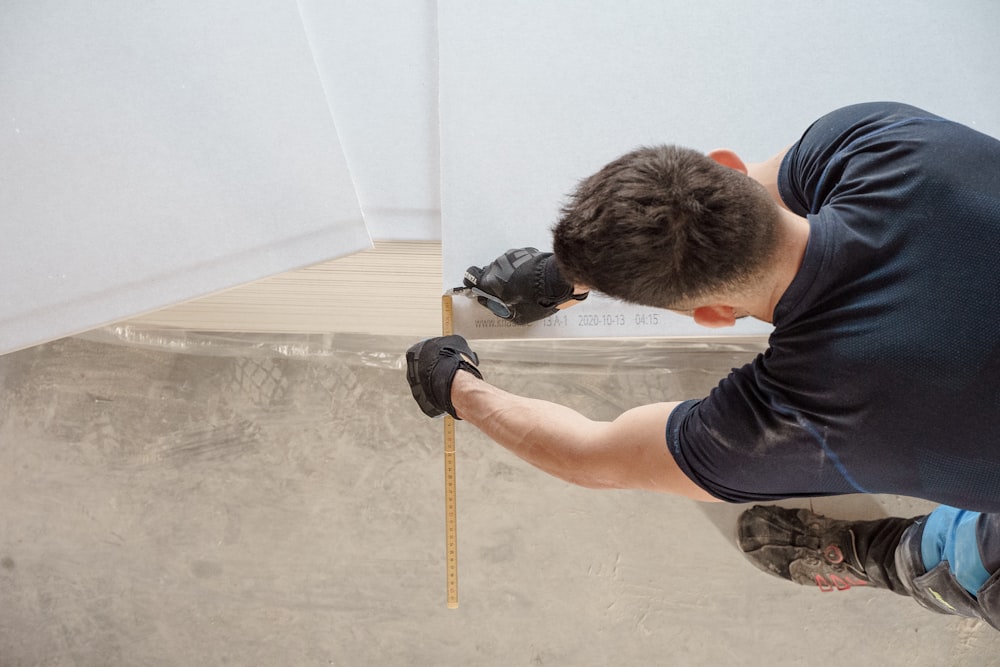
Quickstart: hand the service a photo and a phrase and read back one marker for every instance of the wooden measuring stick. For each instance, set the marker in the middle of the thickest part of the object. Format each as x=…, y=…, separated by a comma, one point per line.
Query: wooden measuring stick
x=450, y=507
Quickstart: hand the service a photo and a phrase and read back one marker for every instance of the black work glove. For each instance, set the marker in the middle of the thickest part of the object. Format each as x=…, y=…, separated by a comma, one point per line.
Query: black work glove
x=431, y=366
x=522, y=285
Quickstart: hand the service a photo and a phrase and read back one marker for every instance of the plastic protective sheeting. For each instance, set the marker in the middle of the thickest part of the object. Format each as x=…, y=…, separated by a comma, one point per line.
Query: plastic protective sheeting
x=387, y=351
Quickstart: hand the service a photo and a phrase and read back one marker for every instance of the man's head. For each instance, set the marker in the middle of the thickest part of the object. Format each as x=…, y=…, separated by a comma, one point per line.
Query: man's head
x=668, y=227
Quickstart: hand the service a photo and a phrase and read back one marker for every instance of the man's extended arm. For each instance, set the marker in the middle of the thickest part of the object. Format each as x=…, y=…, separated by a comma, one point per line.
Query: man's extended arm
x=627, y=453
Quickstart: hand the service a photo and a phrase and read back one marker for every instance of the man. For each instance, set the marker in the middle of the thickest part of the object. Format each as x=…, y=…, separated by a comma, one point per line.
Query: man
x=873, y=246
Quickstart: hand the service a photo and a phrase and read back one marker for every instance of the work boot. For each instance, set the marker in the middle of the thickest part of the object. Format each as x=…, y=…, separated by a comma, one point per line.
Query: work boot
x=812, y=550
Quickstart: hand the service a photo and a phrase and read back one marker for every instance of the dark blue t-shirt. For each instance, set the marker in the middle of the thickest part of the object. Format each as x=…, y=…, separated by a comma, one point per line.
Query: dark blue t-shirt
x=882, y=374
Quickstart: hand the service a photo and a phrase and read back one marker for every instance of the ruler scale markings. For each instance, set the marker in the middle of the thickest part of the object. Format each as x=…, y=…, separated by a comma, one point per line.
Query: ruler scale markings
x=450, y=494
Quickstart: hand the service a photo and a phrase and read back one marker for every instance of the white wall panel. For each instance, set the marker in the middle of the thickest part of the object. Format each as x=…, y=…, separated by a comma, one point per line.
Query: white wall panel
x=378, y=63
x=153, y=153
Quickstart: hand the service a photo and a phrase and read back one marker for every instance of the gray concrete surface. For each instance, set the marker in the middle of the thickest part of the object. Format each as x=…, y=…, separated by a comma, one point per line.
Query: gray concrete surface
x=238, y=506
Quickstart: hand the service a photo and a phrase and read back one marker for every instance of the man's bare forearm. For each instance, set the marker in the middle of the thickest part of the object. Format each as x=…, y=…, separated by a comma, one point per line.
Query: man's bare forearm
x=549, y=436
x=629, y=452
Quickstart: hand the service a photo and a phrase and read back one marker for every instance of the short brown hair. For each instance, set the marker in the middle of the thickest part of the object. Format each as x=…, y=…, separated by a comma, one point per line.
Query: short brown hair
x=664, y=226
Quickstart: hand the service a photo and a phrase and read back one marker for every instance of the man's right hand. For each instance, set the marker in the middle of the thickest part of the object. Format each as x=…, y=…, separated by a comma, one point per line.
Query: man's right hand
x=522, y=285
x=431, y=366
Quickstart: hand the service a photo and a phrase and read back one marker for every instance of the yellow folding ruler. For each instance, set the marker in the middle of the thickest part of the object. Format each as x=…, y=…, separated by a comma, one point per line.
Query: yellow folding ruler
x=450, y=507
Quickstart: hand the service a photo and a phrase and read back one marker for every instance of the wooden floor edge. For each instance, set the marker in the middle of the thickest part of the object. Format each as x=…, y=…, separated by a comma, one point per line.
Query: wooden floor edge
x=393, y=288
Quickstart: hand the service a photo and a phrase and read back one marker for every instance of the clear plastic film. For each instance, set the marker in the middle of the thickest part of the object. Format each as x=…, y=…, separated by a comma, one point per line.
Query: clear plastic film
x=387, y=351
x=600, y=377
x=233, y=344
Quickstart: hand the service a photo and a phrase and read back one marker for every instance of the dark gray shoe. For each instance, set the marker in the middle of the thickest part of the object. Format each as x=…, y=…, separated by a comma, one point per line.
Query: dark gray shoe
x=812, y=550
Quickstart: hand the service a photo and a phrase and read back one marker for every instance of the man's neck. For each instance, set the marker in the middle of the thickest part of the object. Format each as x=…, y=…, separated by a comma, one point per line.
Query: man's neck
x=766, y=173
x=788, y=258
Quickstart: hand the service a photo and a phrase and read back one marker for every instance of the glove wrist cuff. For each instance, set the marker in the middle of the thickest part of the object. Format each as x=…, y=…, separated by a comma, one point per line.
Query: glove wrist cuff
x=462, y=365
x=553, y=288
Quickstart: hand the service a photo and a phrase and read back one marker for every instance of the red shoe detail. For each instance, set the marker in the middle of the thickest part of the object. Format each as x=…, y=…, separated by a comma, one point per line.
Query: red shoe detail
x=833, y=554
x=823, y=584
x=837, y=583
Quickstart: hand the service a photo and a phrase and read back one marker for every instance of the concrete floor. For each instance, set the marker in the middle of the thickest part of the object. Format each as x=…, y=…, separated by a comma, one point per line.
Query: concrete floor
x=250, y=504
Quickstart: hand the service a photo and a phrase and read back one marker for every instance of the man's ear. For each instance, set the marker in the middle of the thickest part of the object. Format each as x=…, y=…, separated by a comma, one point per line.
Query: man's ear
x=728, y=158
x=714, y=317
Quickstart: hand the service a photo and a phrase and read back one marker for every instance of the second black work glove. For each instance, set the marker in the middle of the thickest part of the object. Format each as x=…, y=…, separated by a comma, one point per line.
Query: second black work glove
x=522, y=285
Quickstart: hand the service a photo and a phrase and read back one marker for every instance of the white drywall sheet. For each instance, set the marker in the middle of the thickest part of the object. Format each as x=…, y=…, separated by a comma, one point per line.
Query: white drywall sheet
x=153, y=153
x=535, y=96
x=378, y=63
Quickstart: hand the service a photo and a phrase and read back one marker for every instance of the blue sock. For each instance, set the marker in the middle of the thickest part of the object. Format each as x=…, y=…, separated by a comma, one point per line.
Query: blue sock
x=950, y=535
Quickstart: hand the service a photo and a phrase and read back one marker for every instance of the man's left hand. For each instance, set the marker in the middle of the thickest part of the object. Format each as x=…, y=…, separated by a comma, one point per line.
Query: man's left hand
x=523, y=285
